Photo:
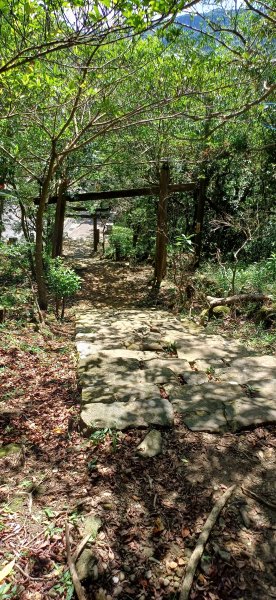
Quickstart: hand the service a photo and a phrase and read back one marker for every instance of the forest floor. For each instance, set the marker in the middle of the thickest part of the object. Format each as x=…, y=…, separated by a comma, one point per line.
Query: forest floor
x=151, y=510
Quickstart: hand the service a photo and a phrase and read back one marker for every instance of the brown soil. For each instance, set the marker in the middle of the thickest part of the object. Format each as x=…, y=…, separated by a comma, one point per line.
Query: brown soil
x=152, y=510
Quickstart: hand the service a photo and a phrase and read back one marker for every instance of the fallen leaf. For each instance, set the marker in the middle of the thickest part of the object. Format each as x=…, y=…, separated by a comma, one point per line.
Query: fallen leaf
x=6, y=570
x=185, y=532
x=158, y=526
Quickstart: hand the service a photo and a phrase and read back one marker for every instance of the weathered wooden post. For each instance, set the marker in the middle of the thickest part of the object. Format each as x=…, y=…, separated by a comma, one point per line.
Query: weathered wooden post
x=96, y=233
x=162, y=226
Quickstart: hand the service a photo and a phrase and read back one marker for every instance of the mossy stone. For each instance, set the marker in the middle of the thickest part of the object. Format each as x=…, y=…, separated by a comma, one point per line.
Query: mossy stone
x=221, y=311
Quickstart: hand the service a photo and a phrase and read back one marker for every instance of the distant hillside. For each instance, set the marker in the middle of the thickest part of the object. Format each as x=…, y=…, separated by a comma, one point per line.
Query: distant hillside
x=216, y=16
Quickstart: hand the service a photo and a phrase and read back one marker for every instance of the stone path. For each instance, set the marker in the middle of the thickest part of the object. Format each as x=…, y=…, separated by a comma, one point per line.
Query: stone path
x=139, y=368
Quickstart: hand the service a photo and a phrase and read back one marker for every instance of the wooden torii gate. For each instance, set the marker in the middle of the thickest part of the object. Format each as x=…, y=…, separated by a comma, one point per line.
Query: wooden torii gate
x=99, y=212
x=164, y=189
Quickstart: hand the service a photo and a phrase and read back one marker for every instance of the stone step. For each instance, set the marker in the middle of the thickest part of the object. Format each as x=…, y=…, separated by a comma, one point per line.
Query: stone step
x=122, y=415
x=137, y=368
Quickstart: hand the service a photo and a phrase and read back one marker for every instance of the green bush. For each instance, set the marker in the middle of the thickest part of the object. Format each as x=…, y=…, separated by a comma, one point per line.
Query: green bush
x=256, y=277
x=14, y=262
x=14, y=275
x=63, y=282
x=120, y=243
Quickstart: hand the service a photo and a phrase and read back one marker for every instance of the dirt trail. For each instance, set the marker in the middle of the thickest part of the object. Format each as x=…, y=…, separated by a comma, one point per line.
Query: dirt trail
x=107, y=283
x=152, y=510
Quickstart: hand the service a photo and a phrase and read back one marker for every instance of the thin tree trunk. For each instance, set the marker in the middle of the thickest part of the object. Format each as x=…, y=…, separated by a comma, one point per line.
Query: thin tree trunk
x=62, y=308
x=59, y=220
x=26, y=233
x=199, y=219
x=201, y=202
x=40, y=278
x=1, y=216
x=162, y=227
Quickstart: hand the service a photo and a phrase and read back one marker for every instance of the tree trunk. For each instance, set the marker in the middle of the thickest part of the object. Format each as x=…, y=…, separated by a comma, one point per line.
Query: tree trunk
x=199, y=219
x=1, y=217
x=162, y=227
x=59, y=220
x=25, y=229
x=237, y=299
x=40, y=279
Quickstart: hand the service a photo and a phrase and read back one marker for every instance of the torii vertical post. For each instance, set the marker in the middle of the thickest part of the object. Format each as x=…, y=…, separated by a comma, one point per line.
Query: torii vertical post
x=95, y=233
x=162, y=226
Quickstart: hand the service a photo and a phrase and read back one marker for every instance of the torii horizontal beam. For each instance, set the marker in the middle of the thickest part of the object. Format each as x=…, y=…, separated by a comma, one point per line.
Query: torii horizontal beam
x=129, y=193
x=97, y=211
x=80, y=216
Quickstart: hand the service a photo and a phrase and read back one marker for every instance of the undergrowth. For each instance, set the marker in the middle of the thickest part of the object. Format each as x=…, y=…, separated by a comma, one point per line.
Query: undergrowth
x=256, y=277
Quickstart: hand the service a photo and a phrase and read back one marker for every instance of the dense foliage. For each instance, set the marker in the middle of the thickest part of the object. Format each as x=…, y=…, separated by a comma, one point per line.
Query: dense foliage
x=93, y=98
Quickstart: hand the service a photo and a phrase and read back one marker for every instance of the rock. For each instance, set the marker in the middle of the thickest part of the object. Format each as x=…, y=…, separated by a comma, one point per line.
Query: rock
x=92, y=525
x=267, y=314
x=254, y=368
x=266, y=361
x=161, y=371
x=131, y=389
x=85, y=564
x=221, y=311
x=121, y=415
x=212, y=364
x=152, y=346
x=151, y=445
x=207, y=347
x=121, y=386
x=257, y=410
x=208, y=407
x=117, y=591
x=172, y=565
x=190, y=378
x=148, y=551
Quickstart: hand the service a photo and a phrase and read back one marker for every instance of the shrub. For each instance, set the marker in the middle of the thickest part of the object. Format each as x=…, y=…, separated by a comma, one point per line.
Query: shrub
x=14, y=262
x=63, y=282
x=120, y=243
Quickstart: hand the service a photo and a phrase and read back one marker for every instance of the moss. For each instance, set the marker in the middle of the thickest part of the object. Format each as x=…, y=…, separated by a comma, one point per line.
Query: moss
x=9, y=449
x=220, y=311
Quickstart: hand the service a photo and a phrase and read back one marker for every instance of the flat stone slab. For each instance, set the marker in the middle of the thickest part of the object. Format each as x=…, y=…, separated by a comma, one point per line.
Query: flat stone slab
x=123, y=364
x=253, y=411
x=124, y=392
x=261, y=362
x=207, y=347
x=129, y=368
x=122, y=415
x=218, y=407
x=211, y=365
x=88, y=353
x=255, y=368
